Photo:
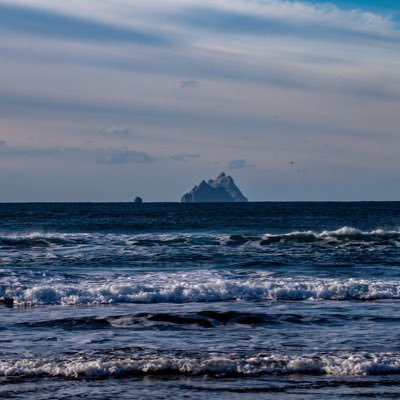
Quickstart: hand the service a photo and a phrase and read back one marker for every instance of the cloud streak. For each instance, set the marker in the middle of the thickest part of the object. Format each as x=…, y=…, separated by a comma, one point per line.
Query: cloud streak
x=33, y=21
x=110, y=156
x=122, y=156
x=184, y=157
x=228, y=22
x=120, y=131
x=239, y=164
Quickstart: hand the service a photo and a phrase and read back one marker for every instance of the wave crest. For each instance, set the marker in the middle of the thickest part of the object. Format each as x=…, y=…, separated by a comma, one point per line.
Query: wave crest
x=214, y=364
x=193, y=287
x=343, y=234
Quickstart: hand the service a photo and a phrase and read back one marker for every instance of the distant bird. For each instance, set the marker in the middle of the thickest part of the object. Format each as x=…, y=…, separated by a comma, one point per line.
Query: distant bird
x=291, y=162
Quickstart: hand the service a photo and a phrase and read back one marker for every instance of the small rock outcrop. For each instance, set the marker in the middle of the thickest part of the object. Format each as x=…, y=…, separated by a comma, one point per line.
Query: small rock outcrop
x=221, y=190
x=138, y=200
x=7, y=302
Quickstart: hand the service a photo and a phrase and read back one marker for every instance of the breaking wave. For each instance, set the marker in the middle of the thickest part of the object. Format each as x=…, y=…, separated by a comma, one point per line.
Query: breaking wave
x=37, y=239
x=192, y=287
x=344, y=234
x=213, y=364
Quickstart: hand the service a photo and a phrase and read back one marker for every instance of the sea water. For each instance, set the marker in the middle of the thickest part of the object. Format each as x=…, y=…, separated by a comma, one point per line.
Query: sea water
x=222, y=301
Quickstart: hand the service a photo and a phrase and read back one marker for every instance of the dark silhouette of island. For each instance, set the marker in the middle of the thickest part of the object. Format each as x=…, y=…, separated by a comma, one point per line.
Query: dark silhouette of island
x=138, y=200
x=221, y=190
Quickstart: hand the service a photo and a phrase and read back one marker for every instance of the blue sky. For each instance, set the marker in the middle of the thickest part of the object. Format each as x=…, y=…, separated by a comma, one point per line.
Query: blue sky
x=105, y=100
x=389, y=7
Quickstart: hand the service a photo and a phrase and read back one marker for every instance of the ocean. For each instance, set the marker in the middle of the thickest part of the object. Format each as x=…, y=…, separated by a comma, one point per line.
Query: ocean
x=200, y=301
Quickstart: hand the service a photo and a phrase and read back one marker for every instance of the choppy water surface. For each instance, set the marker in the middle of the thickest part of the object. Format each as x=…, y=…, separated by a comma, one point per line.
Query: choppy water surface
x=257, y=300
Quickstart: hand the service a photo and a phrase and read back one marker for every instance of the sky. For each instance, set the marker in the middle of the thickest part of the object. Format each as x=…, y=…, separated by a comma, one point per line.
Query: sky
x=105, y=100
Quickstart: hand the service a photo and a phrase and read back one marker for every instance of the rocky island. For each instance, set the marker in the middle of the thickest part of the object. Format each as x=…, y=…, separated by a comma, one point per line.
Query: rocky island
x=221, y=190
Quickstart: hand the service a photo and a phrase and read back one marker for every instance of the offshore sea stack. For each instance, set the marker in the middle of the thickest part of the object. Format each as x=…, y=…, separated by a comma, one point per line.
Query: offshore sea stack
x=220, y=190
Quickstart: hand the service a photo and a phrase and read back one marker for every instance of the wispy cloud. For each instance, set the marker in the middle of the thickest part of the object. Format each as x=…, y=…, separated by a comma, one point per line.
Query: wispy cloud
x=98, y=155
x=162, y=23
x=122, y=156
x=239, y=164
x=259, y=17
x=120, y=131
x=184, y=157
x=34, y=21
x=32, y=152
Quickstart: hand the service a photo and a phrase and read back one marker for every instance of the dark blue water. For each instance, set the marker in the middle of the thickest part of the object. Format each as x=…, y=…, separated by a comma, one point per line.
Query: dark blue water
x=256, y=300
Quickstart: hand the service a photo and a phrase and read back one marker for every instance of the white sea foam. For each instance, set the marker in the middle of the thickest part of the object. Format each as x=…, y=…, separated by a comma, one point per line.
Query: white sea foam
x=342, y=364
x=343, y=233
x=194, y=286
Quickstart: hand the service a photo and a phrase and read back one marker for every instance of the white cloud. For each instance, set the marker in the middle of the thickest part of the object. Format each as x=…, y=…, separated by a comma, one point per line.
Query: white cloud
x=184, y=157
x=120, y=131
x=239, y=164
x=141, y=13
x=99, y=155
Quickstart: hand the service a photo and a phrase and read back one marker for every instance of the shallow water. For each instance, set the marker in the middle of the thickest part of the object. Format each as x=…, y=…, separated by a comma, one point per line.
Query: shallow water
x=273, y=300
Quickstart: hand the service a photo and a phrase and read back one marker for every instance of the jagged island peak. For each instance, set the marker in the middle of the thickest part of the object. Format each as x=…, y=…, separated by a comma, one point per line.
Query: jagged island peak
x=222, y=190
